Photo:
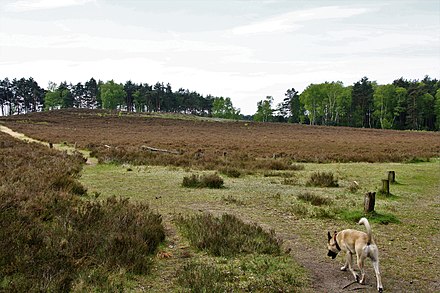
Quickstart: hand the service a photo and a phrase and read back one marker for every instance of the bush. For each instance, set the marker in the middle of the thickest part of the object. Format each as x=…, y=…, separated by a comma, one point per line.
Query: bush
x=314, y=199
x=322, y=179
x=204, y=181
x=227, y=236
x=50, y=238
x=230, y=172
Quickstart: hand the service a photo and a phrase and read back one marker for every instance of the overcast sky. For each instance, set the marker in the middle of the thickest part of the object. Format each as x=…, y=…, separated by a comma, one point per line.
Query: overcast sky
x=242, y=49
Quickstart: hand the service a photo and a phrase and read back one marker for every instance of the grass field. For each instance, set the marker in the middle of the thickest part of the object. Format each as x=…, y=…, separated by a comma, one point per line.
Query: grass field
x=274, y=205
x=406, y=226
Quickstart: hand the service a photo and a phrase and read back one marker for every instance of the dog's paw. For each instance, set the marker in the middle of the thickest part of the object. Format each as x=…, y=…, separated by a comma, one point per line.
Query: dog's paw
x=356, y=278
x=344, y=268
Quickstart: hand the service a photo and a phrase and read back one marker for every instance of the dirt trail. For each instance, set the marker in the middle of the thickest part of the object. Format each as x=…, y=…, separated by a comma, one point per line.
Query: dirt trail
x=61, y=147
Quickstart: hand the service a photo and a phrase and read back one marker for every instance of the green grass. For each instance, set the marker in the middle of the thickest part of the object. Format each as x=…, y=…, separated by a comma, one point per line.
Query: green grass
x=269, y=202
x=373, y=217
x=249, y=273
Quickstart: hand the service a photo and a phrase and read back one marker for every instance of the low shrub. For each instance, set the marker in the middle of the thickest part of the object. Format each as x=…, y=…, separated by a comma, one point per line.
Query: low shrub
x=294, y=180
x=192, y=181
x=322, y=179
x=204, y=181
x=230, y=172
x=314, y=199
x=299, y=209
x=353, y=187
x=50, y=238
x=227, y=236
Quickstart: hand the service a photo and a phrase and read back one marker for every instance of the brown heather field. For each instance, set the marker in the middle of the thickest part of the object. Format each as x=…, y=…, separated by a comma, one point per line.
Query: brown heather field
x=124, y=137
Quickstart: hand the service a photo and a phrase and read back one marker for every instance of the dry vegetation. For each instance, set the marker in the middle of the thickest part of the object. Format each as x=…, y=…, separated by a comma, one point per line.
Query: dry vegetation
x=52, y=239
x=211, y=144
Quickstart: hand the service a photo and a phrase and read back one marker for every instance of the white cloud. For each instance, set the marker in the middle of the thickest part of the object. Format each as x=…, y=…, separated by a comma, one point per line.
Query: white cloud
x=290, y=21
x=27, y=5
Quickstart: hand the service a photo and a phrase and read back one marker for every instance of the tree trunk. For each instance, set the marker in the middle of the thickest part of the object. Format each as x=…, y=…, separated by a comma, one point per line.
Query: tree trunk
x=391, y=176
x=369, y=201
x=385, y=186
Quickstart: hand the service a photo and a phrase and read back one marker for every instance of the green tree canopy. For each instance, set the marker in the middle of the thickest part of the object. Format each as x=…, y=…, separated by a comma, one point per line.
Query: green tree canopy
x=223, y=108
x=264, y=110
x=112, y=95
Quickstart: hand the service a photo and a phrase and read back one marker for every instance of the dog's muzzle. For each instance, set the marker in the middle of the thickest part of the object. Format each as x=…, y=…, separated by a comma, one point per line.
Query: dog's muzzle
x=332, y=254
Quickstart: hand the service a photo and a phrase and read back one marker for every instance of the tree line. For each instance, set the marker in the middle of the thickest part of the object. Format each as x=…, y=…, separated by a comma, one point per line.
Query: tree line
x=404, y=104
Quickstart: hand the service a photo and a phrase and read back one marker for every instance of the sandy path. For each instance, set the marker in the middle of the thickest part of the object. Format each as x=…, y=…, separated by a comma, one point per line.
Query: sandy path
x=61, y=147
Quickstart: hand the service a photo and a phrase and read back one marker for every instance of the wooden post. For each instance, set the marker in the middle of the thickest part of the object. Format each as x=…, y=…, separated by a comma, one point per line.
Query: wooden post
x=391, y=176
x=369, y=201
x=386, y=186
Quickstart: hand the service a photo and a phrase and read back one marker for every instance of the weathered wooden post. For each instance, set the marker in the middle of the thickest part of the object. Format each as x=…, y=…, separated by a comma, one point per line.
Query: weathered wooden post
x=369, y=201
x=386, y=186
x=391, y=176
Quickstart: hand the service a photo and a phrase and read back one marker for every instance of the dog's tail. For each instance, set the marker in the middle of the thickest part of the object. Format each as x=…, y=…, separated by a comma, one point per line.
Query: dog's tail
x=364, y=222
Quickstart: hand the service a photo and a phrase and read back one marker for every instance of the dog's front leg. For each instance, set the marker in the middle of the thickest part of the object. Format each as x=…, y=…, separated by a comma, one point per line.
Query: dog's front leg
x=349, y=264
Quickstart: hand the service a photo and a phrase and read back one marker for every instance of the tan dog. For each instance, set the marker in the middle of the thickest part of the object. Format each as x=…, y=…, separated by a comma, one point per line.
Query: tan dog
x=359, y=243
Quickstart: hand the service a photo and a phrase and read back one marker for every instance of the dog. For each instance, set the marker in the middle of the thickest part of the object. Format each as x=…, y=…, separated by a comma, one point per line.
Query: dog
x=359, y=243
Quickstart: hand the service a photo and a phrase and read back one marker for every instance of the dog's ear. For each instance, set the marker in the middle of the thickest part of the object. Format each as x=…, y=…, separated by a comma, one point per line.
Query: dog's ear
x=328, y=235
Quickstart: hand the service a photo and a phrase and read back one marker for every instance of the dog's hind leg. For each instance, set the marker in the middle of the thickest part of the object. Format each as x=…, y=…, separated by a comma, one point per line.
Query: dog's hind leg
x=360, y=263
x=378, y=279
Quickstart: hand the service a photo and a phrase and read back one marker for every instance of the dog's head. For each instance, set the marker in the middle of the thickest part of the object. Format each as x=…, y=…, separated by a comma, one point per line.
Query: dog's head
x=332, y=245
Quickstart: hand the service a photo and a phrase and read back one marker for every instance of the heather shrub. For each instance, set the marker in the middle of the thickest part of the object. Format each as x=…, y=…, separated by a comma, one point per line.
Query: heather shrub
x=230, y=172
x=322, y=179
x=227, y=235
x=203, y=181
x=314, y=199
x=50, y=238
